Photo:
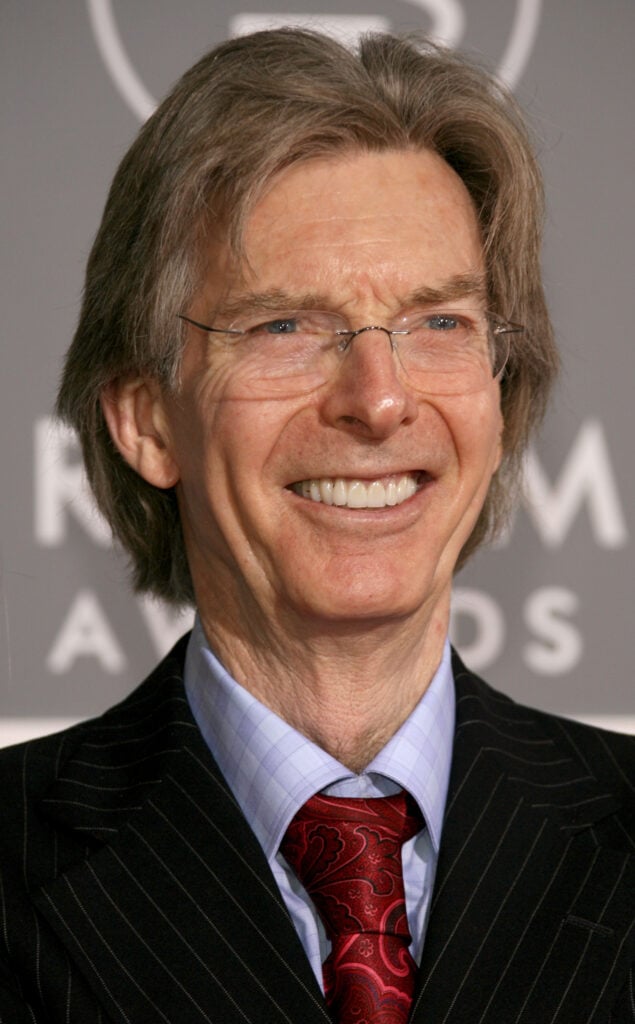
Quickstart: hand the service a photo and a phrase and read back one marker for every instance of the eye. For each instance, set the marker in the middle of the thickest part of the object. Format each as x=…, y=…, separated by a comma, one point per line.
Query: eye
x=303, y=326
x=287, y=325
x=443, y=322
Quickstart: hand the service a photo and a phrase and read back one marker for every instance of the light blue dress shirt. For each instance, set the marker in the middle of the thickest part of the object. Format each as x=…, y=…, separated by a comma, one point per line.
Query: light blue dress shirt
x=273, y=770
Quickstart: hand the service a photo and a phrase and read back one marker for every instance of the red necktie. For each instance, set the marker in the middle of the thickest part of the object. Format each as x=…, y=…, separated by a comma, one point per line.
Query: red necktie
x=347, y=854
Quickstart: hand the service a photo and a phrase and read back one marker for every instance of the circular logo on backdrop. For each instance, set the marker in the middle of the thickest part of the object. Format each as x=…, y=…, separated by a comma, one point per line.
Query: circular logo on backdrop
x=446, y=21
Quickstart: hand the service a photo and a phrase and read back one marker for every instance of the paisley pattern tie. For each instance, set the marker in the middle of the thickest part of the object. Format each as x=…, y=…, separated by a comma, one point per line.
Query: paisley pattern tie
x=347, y=854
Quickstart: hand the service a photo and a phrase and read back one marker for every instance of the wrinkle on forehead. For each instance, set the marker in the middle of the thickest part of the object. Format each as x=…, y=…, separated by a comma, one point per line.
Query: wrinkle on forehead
x=356, y=228
x=464, y=286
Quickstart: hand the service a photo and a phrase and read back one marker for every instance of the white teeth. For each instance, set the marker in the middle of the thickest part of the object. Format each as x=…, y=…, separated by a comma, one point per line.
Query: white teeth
x=391, y=493
x=339, y=492
x=357, y=493
x=376, y=496
x=326, y=491
x=403, y=489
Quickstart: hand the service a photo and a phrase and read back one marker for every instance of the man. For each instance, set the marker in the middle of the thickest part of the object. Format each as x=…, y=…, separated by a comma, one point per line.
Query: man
x=312, y=349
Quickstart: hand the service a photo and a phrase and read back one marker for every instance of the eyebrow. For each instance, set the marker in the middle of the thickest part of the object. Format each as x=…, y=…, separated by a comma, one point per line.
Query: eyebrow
x=268, y=302
x=462, y=286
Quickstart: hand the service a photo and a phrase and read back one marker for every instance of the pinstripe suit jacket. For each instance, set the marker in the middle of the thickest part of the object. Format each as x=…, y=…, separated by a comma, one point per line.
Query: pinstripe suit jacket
x=132, y=889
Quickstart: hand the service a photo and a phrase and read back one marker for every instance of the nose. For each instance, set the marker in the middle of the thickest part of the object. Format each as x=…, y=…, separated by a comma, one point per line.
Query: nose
x=368, y=394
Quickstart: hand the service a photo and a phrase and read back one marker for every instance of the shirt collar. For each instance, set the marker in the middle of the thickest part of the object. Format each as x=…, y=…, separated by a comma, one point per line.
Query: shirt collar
x=272, y=769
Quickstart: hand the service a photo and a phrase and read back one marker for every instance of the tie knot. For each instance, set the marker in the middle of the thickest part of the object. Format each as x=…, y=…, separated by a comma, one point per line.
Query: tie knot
x=347, y=854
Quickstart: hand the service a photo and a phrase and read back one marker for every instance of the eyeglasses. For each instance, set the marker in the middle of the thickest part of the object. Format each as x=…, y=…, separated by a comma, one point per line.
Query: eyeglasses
x=441, y=352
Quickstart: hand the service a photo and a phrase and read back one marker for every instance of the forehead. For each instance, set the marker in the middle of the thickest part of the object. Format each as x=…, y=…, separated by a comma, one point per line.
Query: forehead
x=353, y=224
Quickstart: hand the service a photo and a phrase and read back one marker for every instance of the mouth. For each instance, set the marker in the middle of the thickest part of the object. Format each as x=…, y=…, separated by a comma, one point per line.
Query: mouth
x=378, y=493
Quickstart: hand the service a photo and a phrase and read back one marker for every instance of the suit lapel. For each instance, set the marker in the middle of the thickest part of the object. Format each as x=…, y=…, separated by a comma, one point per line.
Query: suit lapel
x=176, y=916
x=530, y=915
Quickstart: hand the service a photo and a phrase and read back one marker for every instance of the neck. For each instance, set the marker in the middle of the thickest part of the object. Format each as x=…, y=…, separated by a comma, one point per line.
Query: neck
x=348, y=690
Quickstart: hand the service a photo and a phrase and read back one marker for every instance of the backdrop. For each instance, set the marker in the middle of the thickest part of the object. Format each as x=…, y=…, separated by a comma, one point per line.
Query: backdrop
x=547, y=615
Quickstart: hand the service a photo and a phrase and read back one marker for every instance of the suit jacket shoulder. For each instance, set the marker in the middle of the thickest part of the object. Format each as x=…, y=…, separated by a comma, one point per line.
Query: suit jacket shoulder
x=534, y=904
x=609, y=757
x=131, y=887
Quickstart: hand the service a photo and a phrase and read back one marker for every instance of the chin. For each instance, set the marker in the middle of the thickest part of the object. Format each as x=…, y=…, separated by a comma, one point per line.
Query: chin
x=362, y=600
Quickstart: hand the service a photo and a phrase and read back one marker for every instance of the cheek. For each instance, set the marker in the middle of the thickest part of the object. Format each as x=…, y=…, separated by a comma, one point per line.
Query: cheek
x=477, y=429
x=492, y=438
x=231, y=449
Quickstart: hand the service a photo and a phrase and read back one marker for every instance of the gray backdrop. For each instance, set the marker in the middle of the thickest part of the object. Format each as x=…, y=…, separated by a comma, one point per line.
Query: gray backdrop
x=547, y=616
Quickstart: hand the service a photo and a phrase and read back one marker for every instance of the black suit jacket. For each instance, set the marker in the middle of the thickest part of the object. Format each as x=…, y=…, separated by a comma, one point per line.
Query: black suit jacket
x=133, y=891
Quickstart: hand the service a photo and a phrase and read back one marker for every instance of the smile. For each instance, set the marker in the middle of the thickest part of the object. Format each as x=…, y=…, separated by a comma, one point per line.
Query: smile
x=383, y=492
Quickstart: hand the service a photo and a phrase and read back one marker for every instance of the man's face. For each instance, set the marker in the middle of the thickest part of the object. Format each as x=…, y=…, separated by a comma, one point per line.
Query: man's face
x=360, y=235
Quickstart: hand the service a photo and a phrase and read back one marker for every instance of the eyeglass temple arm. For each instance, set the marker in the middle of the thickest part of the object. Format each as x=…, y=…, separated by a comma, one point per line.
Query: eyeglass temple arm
x=206, y=327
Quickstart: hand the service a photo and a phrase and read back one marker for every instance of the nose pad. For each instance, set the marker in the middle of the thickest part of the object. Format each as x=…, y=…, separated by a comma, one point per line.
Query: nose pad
x=370, y=392
x=350, y=337
x=371, y=327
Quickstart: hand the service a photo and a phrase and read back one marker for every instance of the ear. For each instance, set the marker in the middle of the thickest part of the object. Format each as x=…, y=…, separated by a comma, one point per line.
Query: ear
x=501, y=446
x=135, y=414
